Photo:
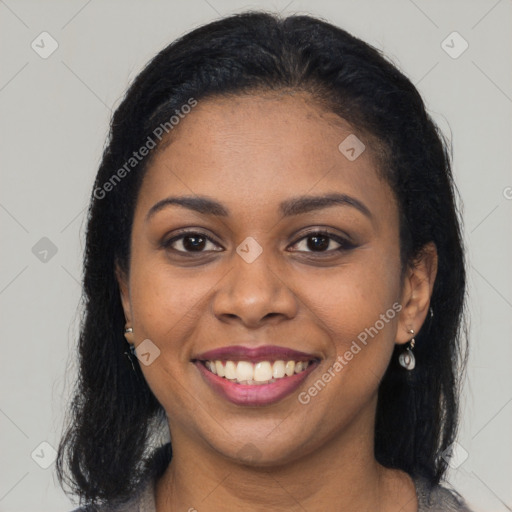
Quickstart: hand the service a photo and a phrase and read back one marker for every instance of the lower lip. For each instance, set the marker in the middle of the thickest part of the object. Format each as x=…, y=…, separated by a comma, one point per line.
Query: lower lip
x=257, y=394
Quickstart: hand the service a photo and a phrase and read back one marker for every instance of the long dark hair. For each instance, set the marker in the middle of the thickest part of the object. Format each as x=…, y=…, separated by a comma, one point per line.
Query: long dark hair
x=111, y=442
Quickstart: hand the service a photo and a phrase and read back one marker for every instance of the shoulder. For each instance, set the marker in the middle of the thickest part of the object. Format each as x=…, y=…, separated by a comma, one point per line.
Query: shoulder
x=143, y=500
x=438, y=498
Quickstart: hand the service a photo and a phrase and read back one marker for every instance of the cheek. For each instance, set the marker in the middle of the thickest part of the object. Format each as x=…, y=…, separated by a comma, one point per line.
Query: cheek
x=169, y=305
x=357, y=306
x=166, y=302
x=166, y=310
x=353, y=297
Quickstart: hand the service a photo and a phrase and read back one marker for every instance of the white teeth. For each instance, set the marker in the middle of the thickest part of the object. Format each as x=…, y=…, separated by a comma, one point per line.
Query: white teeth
x=230, y=370
x=244, y=371
x=220, y=368
x=263, y=372
x=278, y=370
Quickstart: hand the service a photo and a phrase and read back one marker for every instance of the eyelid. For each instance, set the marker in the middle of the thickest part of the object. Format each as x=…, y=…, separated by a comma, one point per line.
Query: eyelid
x=324, y=231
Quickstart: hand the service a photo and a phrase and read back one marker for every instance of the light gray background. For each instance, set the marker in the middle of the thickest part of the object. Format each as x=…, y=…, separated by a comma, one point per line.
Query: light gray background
x=54, y=116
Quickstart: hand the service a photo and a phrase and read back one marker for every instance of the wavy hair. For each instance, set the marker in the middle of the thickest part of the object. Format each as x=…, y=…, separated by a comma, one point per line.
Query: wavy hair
x=110, y=443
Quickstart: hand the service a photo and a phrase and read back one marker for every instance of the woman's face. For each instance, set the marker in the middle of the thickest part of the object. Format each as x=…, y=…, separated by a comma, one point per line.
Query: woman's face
x=252, y=278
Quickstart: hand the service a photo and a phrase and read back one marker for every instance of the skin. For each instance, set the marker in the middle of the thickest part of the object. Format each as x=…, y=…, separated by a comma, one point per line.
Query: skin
x=250, y=153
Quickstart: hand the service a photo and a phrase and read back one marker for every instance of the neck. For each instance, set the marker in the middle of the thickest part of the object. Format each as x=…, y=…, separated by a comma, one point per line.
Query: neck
x=342, y=475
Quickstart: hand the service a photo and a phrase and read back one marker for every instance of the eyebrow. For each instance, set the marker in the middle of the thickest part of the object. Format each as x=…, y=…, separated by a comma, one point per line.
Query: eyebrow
x=294, y=206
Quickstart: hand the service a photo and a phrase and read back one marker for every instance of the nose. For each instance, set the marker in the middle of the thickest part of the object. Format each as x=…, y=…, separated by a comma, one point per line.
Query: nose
x=254, y=294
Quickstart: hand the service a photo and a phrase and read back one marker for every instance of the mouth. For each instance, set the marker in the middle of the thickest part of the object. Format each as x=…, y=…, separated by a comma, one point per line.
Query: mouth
x=257, y=376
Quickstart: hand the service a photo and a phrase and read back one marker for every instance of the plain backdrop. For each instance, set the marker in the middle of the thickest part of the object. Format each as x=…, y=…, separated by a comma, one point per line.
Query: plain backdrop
x=54, y=115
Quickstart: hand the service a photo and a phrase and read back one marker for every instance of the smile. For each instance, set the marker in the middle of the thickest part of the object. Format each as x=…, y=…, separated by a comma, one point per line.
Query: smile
x=256, y=374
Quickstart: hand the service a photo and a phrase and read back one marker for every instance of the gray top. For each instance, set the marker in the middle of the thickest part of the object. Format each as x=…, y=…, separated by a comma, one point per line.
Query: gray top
x=438, y=499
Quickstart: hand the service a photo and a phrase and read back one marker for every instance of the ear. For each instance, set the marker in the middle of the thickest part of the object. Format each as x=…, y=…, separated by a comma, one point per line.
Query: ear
x=416, y=293
x=122, y=280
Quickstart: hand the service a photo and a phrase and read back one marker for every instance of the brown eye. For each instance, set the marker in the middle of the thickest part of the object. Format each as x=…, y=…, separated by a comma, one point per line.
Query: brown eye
x=322, y=241
x=318, y=242
x=191, y=242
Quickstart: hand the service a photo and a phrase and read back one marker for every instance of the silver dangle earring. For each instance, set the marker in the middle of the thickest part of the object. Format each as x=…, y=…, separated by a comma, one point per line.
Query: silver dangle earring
x=406, y=358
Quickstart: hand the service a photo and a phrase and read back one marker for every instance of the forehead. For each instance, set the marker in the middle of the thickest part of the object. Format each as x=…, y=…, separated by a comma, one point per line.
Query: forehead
x=256, y=148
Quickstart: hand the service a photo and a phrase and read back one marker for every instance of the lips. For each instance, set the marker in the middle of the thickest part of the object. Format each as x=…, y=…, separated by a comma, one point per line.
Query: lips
x=255, y=376
x=254, y=355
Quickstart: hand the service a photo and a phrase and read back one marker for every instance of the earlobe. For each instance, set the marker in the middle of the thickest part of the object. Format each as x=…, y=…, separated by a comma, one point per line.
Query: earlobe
x=417, y=292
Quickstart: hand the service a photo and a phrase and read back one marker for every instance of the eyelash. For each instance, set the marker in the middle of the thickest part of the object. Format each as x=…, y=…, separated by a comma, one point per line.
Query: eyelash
x=345, y=245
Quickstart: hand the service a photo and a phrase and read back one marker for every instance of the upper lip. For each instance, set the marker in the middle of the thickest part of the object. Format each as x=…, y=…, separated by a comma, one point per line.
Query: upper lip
x=256, y=354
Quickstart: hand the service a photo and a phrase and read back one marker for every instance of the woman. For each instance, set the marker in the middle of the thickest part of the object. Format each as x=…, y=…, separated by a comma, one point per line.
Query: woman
x=274, y=277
